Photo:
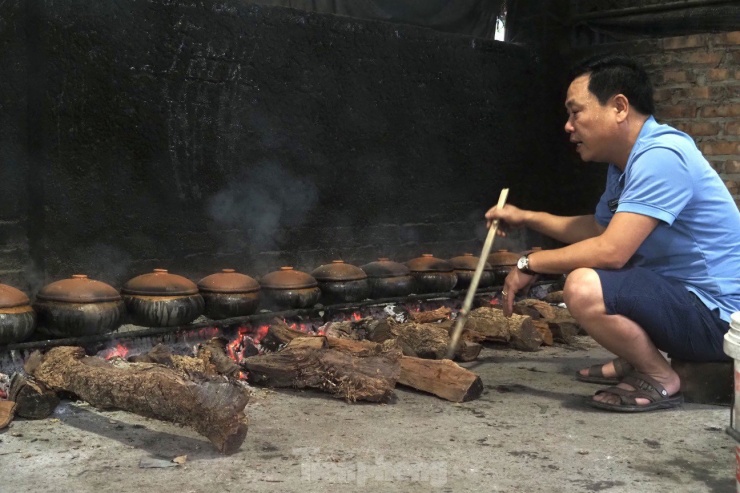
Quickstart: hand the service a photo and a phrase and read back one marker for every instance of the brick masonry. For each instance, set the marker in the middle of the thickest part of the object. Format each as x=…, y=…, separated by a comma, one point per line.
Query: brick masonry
x=697, y=90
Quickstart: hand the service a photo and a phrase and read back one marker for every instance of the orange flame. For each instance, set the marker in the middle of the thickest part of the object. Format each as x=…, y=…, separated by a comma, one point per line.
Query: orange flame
x=356, y=317
x=120, y=351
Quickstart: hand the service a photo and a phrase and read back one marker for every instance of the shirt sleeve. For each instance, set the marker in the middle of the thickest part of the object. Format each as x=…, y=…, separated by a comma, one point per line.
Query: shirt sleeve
x=603, y=214
x=658, y=185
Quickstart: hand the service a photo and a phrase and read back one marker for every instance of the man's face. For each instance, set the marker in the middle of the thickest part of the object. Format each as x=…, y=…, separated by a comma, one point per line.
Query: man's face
x=591, y=126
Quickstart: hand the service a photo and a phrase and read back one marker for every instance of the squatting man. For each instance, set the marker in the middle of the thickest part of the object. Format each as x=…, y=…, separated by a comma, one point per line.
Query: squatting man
x=656, y=267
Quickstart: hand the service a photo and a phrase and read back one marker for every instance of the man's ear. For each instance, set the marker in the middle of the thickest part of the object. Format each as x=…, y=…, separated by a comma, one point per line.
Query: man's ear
x=622, y=106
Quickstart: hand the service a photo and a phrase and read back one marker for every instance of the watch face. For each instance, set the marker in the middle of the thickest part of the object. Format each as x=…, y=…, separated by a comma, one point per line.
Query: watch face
x=522, y=263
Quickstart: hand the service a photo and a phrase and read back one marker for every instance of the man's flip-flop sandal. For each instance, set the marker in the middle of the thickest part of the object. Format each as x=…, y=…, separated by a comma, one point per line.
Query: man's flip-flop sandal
x=646, y=388
x=596, y=373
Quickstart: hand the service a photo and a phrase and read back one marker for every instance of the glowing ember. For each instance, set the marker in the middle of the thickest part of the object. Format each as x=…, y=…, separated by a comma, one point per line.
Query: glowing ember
x=356, y=317
x=120, y=351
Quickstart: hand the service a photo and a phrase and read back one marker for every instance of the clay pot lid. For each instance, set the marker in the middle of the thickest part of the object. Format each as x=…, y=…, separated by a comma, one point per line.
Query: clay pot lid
x=384, y=267
x=468, y=261
x=503, y=257
x=228, y=281
x=11, y=297
x=78, y=289
x=338, y=270
x=288, y=278
x=160, y=283
x=429, y=263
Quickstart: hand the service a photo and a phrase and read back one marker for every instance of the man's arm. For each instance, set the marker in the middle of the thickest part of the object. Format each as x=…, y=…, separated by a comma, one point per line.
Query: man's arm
x=566, y=229
x=612, y=249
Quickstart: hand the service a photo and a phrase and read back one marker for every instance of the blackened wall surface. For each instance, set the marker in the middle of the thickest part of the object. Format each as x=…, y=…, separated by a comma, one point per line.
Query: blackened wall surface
x=199, y=135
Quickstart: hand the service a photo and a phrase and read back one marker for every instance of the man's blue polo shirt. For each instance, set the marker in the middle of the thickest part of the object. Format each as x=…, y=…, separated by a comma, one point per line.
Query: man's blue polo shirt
x=697, y=240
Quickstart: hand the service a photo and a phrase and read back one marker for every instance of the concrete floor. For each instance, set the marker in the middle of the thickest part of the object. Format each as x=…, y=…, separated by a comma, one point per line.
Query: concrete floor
x=529, y=432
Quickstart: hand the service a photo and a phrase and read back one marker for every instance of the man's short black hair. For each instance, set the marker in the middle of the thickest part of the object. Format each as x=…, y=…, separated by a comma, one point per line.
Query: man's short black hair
x=613, y=74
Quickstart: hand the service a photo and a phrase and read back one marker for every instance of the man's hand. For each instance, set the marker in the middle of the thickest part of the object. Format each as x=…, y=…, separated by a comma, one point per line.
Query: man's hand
x=514, y=217
x=516, y=281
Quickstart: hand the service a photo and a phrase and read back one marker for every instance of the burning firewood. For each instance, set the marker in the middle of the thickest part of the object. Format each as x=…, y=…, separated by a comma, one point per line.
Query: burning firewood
x=351, y=329
x=441, y=313
x=442, y=378
x=517, y=330
x=213, y=407
x=279, y=334
x=347, y=372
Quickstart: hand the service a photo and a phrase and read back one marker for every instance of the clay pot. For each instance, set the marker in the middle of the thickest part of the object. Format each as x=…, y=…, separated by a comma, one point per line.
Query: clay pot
x=78, y=307
x=288, y=288
x=229, y=294
x=388, y=279
x=502, y=262
x=431, y=275
x=341, y=282
x=161, y=299
x=17, y=318
x=465, y=266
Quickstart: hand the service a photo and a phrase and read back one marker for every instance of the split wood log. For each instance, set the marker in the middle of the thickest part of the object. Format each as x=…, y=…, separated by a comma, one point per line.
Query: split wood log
x=564, y=329
x=162, y=355
x=418, y=340
x=544, y=329
x=442, y=378
x=351, y=329
x=554, y=297
x=311, y=363
x=429, y=316
x=33, y=400
x=467, y=351
x=279, y=334
x=534, y=308
x=7, y=413
x=213, y=353
x=214, y=408
x=562, y=325
x=517, y=330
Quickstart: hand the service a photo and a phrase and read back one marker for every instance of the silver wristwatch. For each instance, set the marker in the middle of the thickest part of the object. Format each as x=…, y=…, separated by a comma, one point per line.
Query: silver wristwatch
x=523, y=265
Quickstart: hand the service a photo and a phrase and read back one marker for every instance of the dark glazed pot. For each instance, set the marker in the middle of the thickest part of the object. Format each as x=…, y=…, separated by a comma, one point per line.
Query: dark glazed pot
x=161, y=299
x=341, y=283
x=288, y=288
x=431, y=275
x=502, y=261
x=78, y=307
x=17, y=318
x=465, y=266
x=388, y=279
x=229, y=294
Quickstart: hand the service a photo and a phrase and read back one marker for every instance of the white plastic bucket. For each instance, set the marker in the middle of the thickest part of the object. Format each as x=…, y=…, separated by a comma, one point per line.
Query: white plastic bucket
x=732, y=349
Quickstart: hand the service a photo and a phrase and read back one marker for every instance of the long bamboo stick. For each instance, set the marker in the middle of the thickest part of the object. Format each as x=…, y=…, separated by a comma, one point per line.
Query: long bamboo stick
x=463, y=314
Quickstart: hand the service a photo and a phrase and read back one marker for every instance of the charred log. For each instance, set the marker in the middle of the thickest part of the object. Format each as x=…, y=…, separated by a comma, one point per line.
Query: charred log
x=214, y=408
x=312, y=362
x=33, y=400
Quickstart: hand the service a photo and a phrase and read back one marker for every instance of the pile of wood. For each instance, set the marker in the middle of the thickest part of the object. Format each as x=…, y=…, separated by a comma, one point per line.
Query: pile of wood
x=353, y=360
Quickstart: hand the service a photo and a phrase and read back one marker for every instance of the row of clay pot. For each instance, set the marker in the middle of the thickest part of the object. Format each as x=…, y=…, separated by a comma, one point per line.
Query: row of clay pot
x=80, y=306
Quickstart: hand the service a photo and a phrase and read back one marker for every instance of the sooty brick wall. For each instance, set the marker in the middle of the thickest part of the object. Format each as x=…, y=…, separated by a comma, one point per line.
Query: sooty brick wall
x=196, y=135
